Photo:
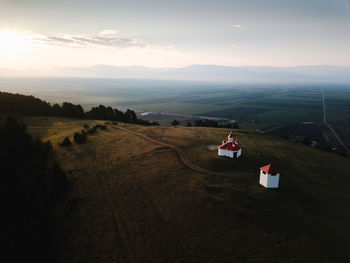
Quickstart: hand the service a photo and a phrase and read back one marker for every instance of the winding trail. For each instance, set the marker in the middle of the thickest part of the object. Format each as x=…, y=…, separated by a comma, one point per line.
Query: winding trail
x=331, y=128
x=177, y=149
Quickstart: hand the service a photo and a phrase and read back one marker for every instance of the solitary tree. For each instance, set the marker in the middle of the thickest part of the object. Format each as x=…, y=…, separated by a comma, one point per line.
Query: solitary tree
x=175, y=123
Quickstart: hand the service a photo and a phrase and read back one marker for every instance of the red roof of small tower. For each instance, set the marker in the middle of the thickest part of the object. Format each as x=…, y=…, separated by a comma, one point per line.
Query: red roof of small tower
x=269, y=169
x=230, y=135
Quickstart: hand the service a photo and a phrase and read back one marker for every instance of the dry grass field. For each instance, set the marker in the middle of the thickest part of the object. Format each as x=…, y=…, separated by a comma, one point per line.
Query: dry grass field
x=135, y=201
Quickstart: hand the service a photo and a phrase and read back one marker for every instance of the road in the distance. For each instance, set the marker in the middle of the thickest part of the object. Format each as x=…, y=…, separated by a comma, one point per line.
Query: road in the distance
x=330, y=127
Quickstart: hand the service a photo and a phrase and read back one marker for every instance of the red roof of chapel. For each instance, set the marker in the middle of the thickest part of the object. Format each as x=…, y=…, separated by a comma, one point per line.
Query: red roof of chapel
x=269, y=169
x=231, y=146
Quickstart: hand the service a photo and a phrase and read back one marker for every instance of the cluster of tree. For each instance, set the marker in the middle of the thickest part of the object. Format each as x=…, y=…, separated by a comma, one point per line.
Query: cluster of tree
x=230, y=125
x=68, y=110
x=108, y=113
x=31, y=106
x=23, y=105
x=31, y=184
x=147, y=123
x=81, y=137
x=175, y=123
x=93, y=130
x=208, y=123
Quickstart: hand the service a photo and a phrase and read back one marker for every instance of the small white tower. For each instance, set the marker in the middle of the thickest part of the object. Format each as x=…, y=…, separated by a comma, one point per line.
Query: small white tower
x=269, y=176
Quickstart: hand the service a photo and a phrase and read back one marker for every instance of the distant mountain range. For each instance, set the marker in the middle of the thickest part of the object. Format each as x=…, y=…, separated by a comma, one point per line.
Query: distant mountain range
x=299, y=74
x=205, y=73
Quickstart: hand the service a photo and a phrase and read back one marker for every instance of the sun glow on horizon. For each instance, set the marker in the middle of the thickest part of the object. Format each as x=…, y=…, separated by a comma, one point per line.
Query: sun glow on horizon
x=13, y=43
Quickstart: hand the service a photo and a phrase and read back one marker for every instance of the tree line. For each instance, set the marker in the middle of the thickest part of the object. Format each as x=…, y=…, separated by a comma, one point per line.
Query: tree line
x=32, y=183
x=207, y=123
x=32, y=106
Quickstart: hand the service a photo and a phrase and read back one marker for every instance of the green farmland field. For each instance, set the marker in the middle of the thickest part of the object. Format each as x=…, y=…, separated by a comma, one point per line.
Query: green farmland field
x=252, y=106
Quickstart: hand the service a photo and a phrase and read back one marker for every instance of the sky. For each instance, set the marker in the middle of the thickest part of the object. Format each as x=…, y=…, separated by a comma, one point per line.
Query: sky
x=42, y=36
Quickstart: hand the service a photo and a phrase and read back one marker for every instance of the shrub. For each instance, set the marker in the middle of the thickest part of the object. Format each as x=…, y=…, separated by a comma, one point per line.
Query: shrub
x=101, y=127
x=66, y=142
x=175, y=123
x=232, y=125
x=93, y=130
x=206, y=123
x=80, y=138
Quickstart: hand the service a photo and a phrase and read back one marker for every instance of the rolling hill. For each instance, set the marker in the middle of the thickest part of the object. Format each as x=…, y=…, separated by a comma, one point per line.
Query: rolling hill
x=134, y=200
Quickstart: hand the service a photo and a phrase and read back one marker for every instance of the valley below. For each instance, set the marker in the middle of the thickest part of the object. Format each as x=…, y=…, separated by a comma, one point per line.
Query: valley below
x=294, y=111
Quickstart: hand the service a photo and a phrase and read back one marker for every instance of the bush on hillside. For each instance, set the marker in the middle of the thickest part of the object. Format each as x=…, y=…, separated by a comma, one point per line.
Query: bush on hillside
x=65, y=142
x=93, y=130
x=175, y=123
x=232, y=125
x=101, y=127
x=206, y=123
x=80, y=138
x=147, y=123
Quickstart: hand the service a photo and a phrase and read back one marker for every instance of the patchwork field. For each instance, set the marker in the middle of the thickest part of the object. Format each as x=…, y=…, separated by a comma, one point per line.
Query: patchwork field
x=254, y=106
x=132, y=200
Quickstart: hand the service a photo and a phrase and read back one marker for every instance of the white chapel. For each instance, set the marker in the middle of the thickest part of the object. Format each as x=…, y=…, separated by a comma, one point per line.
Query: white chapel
x=230, y=148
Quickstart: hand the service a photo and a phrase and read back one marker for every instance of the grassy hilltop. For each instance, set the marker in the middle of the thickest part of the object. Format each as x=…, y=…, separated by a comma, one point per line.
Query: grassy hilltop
x=135, y=201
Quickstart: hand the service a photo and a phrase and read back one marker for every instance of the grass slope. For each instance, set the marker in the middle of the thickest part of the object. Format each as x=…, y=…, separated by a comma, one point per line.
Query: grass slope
x=133, y=201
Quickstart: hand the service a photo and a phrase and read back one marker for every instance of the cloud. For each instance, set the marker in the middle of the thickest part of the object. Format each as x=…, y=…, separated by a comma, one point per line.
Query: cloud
x=104, y=40
x=235, y=26
x=57, y=39
x=109, y=32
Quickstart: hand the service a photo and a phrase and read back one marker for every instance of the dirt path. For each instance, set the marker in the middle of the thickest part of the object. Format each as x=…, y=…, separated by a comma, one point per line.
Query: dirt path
x=177, y=149
x=330, y=127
